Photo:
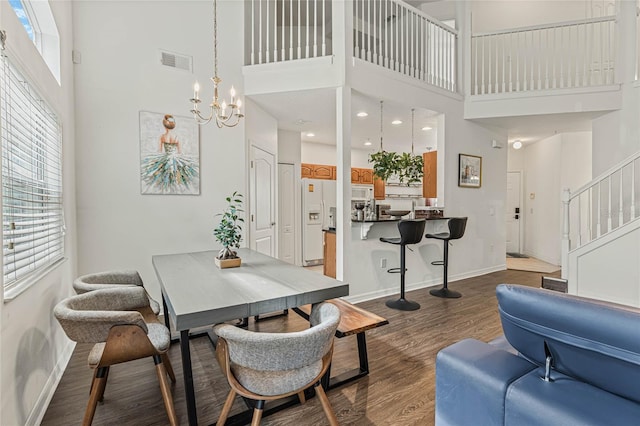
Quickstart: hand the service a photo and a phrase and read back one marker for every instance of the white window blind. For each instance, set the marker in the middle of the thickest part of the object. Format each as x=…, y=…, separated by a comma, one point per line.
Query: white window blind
x=32, y=214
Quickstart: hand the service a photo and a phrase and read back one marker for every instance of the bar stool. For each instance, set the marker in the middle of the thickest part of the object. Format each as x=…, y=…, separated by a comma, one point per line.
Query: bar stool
x=410, y=233
x=457, y=226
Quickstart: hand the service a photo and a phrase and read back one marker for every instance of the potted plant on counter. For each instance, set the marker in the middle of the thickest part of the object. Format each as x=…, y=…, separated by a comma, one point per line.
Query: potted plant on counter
x=229, y=232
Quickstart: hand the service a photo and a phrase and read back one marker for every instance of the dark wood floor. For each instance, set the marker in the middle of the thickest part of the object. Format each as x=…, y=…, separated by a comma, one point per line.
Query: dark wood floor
x=399, y=390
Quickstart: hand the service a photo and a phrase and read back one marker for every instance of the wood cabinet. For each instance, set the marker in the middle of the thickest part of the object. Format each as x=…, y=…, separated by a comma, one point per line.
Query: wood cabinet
x=430, y=177
x=361, y=176
x=329, y=245
x=379, y=191
x=317, y=171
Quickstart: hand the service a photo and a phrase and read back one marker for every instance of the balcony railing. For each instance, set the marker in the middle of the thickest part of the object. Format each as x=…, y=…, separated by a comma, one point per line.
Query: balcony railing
x=388, y=33
x=553, y=56
x=286, y=30
x=394, y=35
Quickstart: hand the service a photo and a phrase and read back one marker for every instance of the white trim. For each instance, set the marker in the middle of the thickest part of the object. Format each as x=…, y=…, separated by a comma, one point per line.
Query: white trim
x=548, y=92
x=42, y=403
x=22, y=286
x=425, y=284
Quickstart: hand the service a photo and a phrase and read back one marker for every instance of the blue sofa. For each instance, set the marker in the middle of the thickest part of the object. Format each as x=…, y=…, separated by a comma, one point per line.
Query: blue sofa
x=569, y=361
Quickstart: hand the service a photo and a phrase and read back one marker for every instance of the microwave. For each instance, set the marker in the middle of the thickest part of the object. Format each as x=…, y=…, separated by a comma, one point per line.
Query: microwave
x=362, y=192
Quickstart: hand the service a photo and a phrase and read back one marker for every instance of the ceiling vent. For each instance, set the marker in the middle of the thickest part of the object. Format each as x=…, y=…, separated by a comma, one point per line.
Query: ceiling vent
x=176, y=60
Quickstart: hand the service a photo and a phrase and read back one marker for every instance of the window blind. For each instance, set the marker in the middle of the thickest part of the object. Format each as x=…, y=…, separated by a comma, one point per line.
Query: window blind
x=32, y=212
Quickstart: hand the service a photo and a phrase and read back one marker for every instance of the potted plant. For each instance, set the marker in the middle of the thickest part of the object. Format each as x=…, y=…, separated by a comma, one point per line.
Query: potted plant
x=385, y=164
x=411, y=168
x=229, y=232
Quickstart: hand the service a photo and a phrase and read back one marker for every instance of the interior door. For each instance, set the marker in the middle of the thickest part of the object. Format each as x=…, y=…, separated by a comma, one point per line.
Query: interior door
x=262, y=207
x=514, y=211
x=286, y=212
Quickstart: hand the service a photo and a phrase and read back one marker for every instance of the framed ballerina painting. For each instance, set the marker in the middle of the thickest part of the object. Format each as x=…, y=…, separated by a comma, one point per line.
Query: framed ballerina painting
x=169, y=154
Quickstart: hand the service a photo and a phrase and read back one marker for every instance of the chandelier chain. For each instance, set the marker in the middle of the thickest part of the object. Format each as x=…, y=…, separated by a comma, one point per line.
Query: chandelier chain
x=381, y=102
x=412, y=126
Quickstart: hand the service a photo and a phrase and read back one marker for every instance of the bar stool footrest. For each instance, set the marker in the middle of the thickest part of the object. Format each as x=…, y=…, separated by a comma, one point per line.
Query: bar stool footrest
x=438, y=262
x=395, y=270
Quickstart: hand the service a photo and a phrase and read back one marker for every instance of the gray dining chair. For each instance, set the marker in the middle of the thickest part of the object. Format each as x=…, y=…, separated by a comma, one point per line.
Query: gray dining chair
x=110, y=319
x=108, y=279
x=269, y=366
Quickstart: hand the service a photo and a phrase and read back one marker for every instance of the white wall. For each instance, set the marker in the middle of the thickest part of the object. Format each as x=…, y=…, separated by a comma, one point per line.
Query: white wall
x=120, y=75
x=550, y=165
x=318, y=153
x=523, y=13
x=33, y=348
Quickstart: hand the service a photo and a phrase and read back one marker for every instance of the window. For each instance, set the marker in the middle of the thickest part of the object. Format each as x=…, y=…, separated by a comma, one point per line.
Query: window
x=37, y=19
x=32, y=213
x=24, y=18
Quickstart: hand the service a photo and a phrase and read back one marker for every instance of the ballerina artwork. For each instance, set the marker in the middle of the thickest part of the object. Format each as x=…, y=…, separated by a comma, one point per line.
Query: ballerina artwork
x=169, y=154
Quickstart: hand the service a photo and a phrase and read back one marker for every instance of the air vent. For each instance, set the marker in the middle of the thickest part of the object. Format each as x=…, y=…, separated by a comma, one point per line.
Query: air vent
x=176, y=60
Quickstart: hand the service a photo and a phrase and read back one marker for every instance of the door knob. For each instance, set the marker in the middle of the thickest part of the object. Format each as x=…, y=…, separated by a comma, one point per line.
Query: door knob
x=273, y=224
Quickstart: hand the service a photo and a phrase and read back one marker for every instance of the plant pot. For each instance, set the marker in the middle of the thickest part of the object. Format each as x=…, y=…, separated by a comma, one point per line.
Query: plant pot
x=228, y=263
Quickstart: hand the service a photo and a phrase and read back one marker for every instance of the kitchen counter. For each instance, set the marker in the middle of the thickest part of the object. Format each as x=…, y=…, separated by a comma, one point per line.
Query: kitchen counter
x=365, y=225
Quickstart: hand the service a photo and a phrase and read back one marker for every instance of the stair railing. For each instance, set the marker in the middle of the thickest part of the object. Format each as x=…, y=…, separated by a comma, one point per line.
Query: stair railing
x=601, y=206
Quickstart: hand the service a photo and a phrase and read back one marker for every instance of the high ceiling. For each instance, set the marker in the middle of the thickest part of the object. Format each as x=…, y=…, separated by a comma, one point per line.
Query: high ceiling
x=314, y=111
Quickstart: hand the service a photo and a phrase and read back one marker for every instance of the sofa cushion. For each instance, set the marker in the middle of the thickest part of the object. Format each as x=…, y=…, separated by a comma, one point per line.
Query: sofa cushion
x=472, y=378
x=592, y=341
x=565, y=401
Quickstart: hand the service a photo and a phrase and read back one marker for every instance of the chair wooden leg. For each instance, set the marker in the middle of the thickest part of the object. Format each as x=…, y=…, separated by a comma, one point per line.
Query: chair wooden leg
x=326, y=406
x=168, y=367
x=97, y=388
x=104, y=386
x=257, y=413
x=301, y=397
x=166, y=392
x=226, y=408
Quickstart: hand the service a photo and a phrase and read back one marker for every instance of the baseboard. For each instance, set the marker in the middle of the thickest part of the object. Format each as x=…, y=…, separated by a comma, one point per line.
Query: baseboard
x=424, y=284
x=41, y=405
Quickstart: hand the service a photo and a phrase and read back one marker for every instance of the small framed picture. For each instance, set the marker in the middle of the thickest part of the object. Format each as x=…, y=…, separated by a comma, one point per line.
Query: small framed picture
x=469, y=171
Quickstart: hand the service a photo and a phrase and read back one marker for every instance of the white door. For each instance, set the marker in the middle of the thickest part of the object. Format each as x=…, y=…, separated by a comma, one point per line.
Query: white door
x=262, y=178
x=514, y=212
x=286, y=212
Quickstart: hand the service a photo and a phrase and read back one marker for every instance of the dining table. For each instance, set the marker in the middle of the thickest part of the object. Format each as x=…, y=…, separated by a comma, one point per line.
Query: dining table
x=196, y=293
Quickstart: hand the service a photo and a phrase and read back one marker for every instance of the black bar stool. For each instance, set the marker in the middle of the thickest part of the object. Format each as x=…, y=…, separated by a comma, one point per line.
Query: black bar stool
x=457, y=226
x=410, y=233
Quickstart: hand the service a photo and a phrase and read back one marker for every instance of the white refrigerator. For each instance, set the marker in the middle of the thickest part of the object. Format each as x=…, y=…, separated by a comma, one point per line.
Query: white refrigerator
x=318, y=196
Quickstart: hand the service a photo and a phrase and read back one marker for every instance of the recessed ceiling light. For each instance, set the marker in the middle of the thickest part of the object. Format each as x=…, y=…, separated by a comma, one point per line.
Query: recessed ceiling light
x=367, y=143
x=517, y=144
x=425, y=128
x=396, y=122
x=311, y=135
x=362, y=114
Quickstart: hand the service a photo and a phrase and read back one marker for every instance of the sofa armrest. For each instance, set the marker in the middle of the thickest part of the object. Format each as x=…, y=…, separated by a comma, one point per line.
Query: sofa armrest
x=472, y=378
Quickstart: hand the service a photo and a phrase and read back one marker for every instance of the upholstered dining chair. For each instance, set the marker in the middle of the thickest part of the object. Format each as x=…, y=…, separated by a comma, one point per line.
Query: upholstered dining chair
x=269, y=366
x=108, y=279
x=110, y=318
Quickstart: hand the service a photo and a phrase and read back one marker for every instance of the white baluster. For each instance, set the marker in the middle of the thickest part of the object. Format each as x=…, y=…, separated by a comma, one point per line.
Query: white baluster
x=282, y=37
x=307, y=44
x=511, y=62
x=546, y=56
x=482, y=66
x=539, y=55
x=621, y=207
x=291, y=30
x=260, y=33
x=275, y=31
x=403, y=65
x=324, y=30
x=315, y=28
x=266, y=47
x=253, y=32
x=386, y=34
x=633, y=189
x=609, y=206
x=299, y=49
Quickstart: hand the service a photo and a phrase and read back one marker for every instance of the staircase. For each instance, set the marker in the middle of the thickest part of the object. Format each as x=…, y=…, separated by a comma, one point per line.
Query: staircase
x=601, y=235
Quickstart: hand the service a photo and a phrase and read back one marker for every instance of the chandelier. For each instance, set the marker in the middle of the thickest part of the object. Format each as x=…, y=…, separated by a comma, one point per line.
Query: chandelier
x=225, y=115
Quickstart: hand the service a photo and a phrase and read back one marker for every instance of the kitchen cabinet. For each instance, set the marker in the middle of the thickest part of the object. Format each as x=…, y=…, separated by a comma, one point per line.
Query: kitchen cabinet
x=317, y=171
x=329, y=243
x=361, y=176
x=430, y=177
x=379, y=190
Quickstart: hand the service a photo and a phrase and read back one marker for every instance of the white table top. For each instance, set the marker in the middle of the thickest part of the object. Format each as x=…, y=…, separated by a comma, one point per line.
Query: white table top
x=197, y=293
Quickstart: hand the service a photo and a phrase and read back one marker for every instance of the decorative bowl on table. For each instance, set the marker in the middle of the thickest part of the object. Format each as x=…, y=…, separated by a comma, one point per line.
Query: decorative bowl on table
x=397, y=214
